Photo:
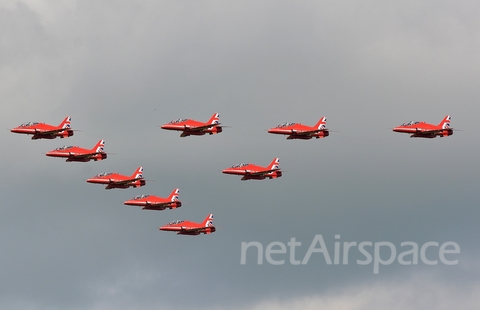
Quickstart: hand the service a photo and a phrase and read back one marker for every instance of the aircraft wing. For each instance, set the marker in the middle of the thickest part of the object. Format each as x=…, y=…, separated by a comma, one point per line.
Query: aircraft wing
x=262, y=172
x=433, y=130
x=50, y=132
x=307, y=132
x=158, y=204
x=122, y=182
x=85, y=155
x=200, y=128
x=194, y=229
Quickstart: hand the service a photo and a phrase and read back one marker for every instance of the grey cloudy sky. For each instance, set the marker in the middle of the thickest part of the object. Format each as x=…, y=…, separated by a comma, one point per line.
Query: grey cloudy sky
x=120, y=69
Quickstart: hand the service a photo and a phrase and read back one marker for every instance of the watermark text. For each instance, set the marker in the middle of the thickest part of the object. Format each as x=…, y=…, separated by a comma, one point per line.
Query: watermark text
x=378, y=254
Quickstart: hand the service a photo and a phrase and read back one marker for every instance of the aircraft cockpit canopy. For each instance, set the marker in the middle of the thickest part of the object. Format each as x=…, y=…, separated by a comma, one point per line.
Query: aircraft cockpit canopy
x=176, y=222
x=140, y=197
x=104, y=174
x=29, y=124
x=410, y=123
x=179, y=120
x=63, y=148
x=285, y=125
x=239, y=165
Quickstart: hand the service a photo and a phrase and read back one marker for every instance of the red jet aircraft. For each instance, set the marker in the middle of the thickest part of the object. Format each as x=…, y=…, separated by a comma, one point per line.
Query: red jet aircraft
x=150, y=202
x=75, y=153
x=254, y=172
x=45, y=131
x=424, y=130
x=192, y=127
x=191, y=228
x=115, y=180
x=300, y=131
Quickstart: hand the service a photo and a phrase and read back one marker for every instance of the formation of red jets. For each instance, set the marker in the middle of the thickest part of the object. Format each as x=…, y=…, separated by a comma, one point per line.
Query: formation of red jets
x=189, y=127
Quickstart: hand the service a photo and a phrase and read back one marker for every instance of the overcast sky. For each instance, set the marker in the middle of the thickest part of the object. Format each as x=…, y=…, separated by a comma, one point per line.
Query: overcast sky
x=121, y=69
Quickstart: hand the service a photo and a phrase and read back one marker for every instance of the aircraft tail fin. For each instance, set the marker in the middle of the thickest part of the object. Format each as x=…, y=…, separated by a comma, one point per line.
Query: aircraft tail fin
x=99, y=146
x=275, y=164
x=322, y=123
x=208, y=221
x=65, y=123
x=138, y=174
x=174, y=195
x=215, y=119
x=445, y=123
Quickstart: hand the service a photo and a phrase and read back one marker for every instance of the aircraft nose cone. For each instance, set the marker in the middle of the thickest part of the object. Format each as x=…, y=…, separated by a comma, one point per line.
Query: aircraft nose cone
x=396, y=129
x=51, y=154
